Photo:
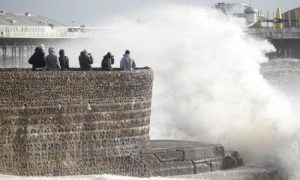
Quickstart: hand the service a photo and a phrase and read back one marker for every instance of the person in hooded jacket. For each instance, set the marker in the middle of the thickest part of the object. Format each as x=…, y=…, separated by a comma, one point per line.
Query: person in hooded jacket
x=85, y=60
x=63, y=60
x=127, y=63
x=52, y=63
x=107, y=61
x=38, y=59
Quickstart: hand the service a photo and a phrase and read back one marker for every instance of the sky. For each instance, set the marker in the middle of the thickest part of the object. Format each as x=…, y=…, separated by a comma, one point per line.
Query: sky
x=90, y=11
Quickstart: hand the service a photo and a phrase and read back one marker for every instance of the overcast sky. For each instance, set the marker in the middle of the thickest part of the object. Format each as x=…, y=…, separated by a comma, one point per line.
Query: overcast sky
x=88, y=11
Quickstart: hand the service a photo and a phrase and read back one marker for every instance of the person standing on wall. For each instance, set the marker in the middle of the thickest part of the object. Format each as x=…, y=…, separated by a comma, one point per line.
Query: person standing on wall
x=85, y=60
x=38, y=59
x=63, y=60
x=107, y=61
x=127, y=63
x=52, y=62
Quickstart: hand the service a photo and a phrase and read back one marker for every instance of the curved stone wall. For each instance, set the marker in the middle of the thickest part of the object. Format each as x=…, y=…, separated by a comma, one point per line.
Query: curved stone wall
x=74, y=122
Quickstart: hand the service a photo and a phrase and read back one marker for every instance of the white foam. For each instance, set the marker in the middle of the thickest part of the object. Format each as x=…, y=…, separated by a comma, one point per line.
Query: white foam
x=208, y=85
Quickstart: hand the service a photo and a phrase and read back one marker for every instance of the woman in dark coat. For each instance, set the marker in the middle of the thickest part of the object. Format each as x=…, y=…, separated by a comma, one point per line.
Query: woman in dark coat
x=63, y=60
x=107, y=61
x=38, y=59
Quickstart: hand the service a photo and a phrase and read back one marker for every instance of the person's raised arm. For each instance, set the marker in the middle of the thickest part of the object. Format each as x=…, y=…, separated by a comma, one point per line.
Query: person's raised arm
x=91, y=59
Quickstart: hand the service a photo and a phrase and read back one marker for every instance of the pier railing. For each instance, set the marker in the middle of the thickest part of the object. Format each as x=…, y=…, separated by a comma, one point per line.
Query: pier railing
x=48, y=35
x=272, y=33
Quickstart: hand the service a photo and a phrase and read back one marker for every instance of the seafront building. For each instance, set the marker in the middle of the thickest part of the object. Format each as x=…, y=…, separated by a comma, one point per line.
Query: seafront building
x=21, y=33
x=281, y=29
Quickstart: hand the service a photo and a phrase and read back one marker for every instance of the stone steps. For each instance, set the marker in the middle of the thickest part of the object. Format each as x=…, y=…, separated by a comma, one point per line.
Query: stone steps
x=170, y=158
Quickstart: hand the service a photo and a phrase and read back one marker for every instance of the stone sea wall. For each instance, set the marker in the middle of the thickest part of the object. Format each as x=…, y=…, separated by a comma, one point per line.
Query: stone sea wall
x=74, y=122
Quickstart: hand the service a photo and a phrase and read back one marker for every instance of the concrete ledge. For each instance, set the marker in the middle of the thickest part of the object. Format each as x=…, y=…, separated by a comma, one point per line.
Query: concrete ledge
x=241, y=173
x=171, y=157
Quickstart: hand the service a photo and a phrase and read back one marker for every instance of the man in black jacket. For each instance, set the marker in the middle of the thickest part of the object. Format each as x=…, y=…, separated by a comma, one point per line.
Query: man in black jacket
x=38, y=59
x=85, y=60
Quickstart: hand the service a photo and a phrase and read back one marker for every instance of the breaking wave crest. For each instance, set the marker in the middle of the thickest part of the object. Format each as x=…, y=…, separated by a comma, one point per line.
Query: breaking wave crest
x=208, y=86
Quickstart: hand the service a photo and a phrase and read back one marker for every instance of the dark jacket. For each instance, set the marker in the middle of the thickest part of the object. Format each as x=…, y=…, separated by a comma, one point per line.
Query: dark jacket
x=85, y=61
x=37, y=59
x=64, y=62
x=107, y=61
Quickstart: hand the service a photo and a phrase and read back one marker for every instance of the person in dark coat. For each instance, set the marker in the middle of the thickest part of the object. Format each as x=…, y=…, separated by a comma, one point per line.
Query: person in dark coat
x=38, y=59
x=107, y=61
x=63, y=60
x=85, y=60
x=52, y=62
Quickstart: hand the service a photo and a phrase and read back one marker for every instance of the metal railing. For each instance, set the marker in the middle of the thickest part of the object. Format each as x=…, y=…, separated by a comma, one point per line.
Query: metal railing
x=272, y=33
x=49, y=34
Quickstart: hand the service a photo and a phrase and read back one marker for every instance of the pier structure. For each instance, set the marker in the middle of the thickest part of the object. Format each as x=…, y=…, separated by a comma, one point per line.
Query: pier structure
x=282, y=29
x=21, y=33
x=283, y=33
x=285, y=40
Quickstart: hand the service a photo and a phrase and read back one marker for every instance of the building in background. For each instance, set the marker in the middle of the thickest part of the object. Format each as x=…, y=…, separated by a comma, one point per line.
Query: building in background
x=21, y=33
x=292, y=17
x=281, y=29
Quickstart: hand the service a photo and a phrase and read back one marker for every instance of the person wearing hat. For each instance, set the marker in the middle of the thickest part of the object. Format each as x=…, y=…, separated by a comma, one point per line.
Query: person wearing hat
x=127, y=63
x=107, y=61
x=52, y=62
x=85, y=60
x=38, y=59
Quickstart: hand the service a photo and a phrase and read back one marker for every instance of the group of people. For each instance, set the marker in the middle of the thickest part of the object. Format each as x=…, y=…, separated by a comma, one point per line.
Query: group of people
x=86, y=60
x=51, y=62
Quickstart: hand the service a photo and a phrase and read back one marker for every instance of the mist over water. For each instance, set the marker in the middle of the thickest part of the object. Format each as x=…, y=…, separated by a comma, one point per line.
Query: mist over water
x=284, y=74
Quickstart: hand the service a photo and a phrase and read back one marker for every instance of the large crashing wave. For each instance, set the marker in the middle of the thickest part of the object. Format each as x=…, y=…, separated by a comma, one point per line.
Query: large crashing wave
x=208, y=86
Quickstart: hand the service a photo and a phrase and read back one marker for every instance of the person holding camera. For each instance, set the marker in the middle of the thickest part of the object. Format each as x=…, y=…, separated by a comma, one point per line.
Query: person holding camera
x=85, y=60
x=107, y=61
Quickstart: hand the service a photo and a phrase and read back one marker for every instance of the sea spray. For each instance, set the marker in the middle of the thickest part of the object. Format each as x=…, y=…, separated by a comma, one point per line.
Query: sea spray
x=208, y=86
x=284, y=74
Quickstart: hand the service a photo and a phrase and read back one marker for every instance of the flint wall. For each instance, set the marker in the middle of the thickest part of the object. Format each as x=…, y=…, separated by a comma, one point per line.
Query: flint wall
x=74, y=122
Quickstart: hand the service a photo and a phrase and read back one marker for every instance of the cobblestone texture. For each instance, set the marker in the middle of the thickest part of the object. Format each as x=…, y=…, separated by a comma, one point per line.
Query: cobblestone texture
x=74, y=122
